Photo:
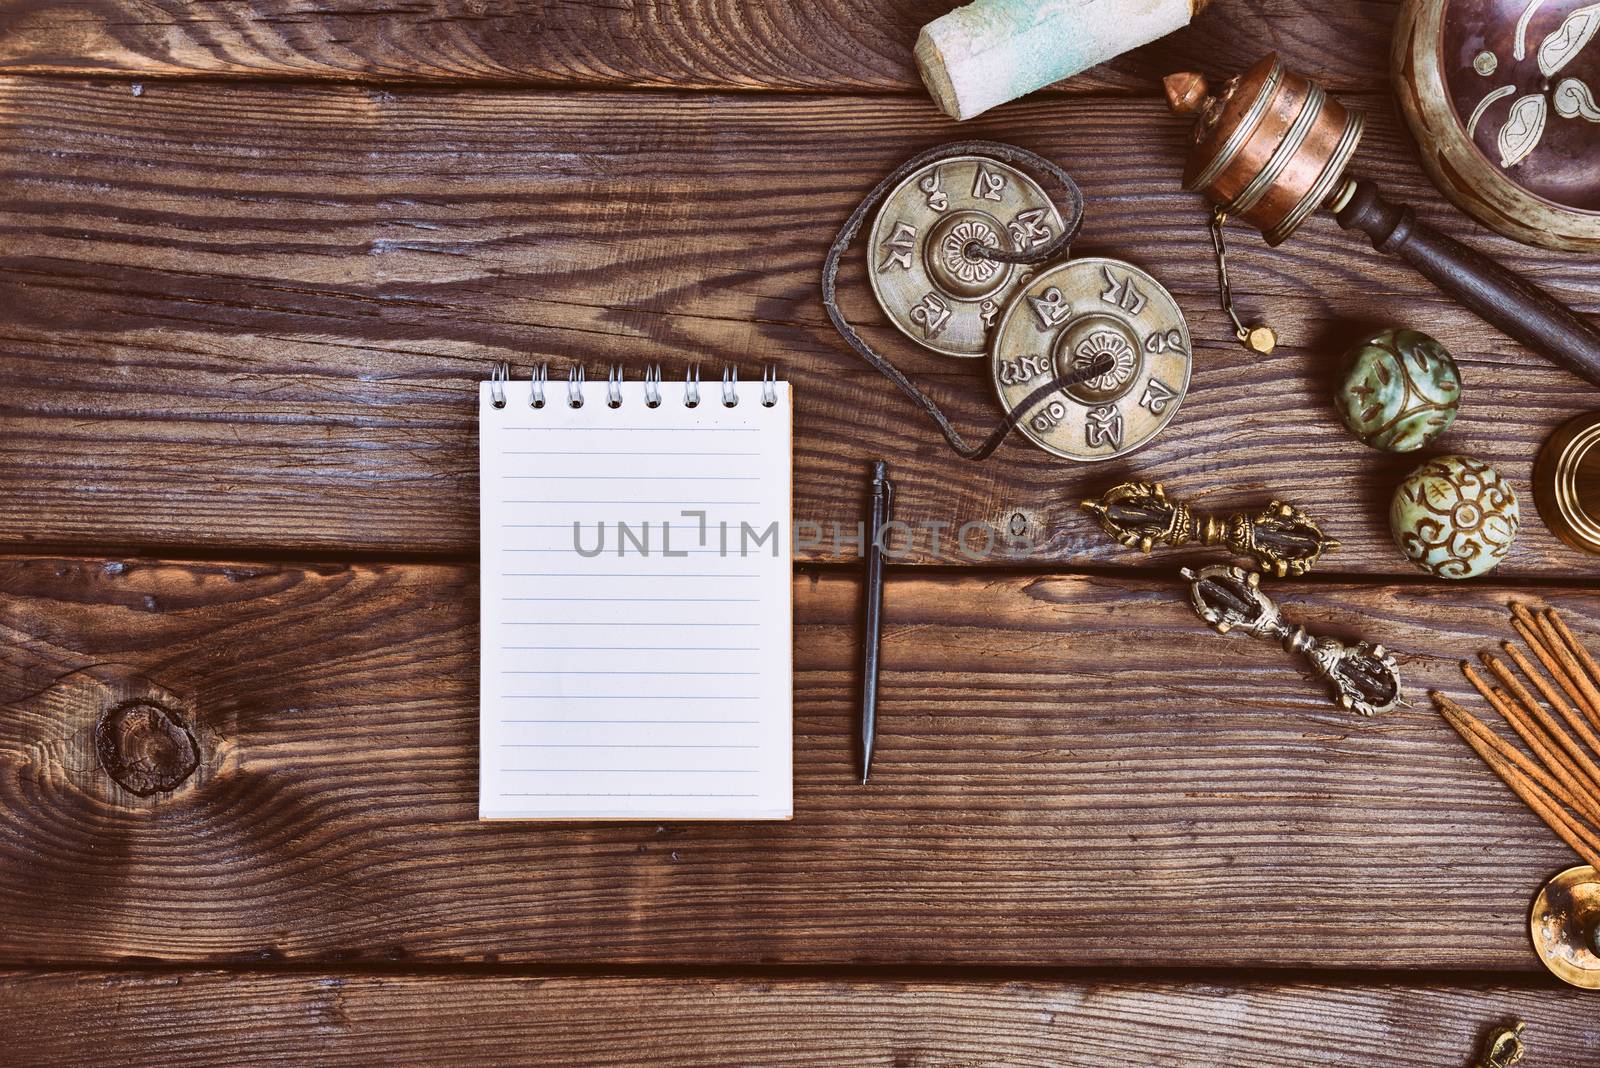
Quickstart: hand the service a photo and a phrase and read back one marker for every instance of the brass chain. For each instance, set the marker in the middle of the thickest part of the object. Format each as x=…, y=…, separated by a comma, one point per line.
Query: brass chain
x=1258, y=337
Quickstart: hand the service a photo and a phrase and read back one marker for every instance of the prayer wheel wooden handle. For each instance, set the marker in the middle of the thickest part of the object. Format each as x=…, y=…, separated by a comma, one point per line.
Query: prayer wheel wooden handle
x=1514, y=305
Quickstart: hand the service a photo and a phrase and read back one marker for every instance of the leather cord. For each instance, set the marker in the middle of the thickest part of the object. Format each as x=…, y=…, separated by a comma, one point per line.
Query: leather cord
x=1056, y=246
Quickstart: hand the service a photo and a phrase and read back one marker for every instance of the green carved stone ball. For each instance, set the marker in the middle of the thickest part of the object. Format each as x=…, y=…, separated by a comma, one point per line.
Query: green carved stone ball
x=1400, y=390
x=1454, y=517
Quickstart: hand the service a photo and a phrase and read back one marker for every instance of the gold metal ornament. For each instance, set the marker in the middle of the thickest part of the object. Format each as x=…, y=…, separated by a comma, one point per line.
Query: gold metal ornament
x=1503, y=1048
x=1566, y=926
x=923, y=270
x=1259, y=338
x=1363, y=678
x=1072, y=315
x=1566, y=482
x=1282, y=539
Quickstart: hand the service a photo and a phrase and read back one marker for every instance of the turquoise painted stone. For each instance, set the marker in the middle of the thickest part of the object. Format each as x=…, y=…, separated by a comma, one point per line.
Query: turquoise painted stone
x=1454, y=517
x=1400, y=391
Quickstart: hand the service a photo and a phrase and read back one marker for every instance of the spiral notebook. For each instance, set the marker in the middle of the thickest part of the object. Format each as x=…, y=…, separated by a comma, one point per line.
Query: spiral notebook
x=636, y=657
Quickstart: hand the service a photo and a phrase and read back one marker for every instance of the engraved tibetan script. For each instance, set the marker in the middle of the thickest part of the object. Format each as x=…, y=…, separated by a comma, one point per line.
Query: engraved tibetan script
x=1051, y=307
x=1103, y=426
x=1122, y=292
x=1164, y=341
x=1024, y=369
x=1157, y=395
x=1028, y=228
x=986, y=185
x=932, y=314
x=1049, y=418
x=898, y=247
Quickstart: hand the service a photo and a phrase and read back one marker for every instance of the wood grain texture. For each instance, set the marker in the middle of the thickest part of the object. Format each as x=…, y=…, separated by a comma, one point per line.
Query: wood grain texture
x=251, y=317
x=1070, y=771
x=821, y=45
x=222, y=1019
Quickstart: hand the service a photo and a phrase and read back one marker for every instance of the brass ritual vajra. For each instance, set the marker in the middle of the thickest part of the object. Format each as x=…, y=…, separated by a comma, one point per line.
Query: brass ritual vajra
x=1364, y=678
x=1503, y=1048
x=1281, y=538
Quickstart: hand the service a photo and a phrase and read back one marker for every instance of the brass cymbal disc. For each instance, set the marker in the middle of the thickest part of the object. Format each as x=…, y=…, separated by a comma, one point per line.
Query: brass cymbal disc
x=1068, y=317
x=928, y=284
x=1566, y=922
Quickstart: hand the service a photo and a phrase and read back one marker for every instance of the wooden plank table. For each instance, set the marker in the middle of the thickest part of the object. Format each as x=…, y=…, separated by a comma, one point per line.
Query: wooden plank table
x=255, y=257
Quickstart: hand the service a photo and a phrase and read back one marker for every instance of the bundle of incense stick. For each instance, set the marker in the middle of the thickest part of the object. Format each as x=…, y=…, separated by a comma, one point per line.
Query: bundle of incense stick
x=1561, y=780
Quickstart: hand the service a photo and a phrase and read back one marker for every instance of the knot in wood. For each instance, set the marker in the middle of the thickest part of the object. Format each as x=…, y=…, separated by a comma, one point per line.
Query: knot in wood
x=145, y=747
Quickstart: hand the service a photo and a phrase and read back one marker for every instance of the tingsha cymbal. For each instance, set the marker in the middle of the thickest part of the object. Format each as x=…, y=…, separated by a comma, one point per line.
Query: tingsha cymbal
x=1566, y=926
x=924, y=272
x=1072, y=315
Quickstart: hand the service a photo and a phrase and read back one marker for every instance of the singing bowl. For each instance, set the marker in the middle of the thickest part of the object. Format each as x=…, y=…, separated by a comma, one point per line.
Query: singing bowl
x=1503, y=97
x=1566, y=926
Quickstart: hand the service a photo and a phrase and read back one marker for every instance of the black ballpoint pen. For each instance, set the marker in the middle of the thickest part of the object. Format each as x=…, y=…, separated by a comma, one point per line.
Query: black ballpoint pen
x=872, y=624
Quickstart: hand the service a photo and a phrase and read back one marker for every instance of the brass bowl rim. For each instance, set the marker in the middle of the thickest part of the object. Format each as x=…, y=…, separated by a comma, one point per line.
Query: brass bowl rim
x=1583, y=978
x=1555, y=482
x=1566, y=482
x=1467, y=177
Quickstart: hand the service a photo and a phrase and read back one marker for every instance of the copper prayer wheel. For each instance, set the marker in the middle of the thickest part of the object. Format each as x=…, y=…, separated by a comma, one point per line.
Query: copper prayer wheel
x=1270, y=148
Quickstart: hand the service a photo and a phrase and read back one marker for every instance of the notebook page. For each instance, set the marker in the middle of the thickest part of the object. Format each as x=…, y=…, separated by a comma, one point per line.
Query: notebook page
x=636, y=635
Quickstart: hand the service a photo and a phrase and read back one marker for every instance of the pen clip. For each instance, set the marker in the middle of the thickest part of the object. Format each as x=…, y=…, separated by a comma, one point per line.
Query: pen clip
x=882, y=499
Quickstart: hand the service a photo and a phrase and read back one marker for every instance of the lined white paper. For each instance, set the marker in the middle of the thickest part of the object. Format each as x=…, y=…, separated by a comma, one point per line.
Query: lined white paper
x=636, y=658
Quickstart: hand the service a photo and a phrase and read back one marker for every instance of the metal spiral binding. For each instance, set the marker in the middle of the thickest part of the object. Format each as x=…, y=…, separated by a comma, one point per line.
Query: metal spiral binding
x=499, y=375
x=541, y=375
x=614, y=386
